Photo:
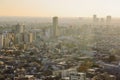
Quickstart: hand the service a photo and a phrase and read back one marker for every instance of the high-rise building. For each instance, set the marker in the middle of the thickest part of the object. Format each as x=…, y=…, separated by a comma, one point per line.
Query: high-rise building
x=1, y=40
x=16, y=37
x=31, y=37
x=108, y=19
x=19, y=38
x=22, y=38
x=19, y=28
x=102, y=21
x=34, y=35
x=5, y=39
x=54, y=32
x=94, y=18
x=26, y=37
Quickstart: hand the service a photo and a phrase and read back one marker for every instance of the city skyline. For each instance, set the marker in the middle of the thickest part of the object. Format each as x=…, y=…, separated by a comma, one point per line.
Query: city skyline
x=60, y=8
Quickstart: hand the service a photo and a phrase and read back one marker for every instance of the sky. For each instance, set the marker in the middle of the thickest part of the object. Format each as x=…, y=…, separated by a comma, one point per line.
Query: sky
x=61, y=8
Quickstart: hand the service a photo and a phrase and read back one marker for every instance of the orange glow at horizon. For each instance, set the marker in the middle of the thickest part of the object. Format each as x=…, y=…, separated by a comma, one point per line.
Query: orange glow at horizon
x=65, y=8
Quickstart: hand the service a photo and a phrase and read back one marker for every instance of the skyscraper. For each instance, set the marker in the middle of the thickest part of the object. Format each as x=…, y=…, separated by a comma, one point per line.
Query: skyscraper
x=108, y=19
x=94, y=18
x=54, y=32
x=102, y=21
x=19, y=28
x=5, y=38
x=1, y=40
x=31, y=37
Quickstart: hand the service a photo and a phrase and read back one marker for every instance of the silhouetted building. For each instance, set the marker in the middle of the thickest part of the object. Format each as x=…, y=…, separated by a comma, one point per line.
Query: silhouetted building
x=94, y=18
x=102, y=21
x=54, y=32
x=108, y=19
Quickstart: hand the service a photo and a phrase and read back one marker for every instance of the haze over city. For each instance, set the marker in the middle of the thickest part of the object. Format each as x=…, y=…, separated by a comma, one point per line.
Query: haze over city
x=59, y=40
x=61, y=8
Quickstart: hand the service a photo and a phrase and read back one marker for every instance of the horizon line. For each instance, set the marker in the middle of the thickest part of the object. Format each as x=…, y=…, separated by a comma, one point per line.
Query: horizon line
x=59, y=16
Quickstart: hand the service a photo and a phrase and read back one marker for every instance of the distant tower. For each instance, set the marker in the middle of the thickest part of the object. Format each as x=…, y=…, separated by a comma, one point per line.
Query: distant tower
x=94, y=18
x=26, y=37
x=54, y=27
x=102, y=21
x=31, y=37
x=1, y=40
x=19, y=34
x=19, y=28
x=5, y=40
x=108, y=19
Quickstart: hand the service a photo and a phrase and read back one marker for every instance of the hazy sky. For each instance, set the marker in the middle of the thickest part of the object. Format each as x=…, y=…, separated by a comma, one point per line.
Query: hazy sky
x=61, y=8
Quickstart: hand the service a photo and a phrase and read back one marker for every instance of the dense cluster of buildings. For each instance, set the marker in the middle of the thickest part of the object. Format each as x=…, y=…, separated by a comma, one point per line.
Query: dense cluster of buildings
x=19, y=36
x=102, y=21
x=16, y=37
x=55, y=52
